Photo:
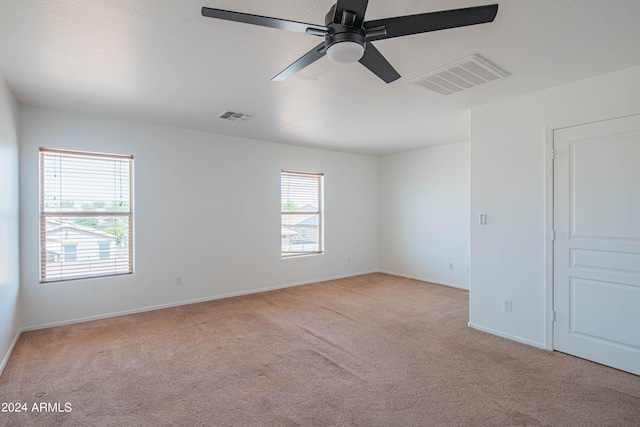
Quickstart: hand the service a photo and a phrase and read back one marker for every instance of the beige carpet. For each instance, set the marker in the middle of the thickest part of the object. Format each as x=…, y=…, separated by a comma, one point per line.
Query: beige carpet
x=373, y=350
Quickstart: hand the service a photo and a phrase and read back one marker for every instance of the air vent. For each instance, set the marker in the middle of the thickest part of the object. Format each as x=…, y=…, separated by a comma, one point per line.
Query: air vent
x=233, y=116
x=461, y=75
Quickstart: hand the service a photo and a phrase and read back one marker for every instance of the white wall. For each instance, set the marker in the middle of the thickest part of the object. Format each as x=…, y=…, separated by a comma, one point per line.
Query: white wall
x=423, y=204
x=206, y=207
x=9, y=237
x=510, y=181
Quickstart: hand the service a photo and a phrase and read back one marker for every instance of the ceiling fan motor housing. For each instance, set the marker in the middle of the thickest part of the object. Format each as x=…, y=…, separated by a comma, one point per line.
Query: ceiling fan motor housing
x=344, y=30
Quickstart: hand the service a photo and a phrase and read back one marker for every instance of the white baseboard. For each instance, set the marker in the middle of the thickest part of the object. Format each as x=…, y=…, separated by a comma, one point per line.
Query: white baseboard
x=185, y=302
x=423, y=279
x=508, y=336
x=6, y=357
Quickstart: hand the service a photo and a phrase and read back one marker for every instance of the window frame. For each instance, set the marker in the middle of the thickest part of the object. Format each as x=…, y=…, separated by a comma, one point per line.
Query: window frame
x=319, y=212
x=62, y=212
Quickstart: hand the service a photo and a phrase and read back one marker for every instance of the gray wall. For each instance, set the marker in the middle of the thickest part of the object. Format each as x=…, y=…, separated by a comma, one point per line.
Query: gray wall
x=207, y=208
x=423, y=204
x=9, y=240
x=510, y=182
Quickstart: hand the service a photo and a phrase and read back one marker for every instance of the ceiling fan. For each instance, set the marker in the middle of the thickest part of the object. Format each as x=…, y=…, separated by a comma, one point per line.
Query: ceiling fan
x=348, y=37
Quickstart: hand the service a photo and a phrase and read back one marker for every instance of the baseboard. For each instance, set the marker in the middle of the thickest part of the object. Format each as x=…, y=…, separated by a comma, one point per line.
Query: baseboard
x=186, y=302
x=423, y=279
x=6, y=357
x=508, y=336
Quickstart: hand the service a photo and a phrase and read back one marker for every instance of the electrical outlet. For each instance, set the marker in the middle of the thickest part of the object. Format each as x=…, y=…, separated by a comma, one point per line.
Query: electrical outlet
x=348, y=259
x=507, y=305
x=450, y=266
x=178, y=280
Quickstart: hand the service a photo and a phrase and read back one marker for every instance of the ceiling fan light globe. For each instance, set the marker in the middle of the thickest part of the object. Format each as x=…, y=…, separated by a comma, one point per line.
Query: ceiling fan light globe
x=345, y=52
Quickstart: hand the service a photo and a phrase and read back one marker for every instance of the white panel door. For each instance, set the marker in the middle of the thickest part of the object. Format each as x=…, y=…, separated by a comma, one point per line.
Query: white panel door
x=597, y=246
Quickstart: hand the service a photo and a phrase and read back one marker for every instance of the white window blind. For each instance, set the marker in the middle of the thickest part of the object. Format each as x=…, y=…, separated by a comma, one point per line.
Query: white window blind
x=86, y=214
x=302, y=219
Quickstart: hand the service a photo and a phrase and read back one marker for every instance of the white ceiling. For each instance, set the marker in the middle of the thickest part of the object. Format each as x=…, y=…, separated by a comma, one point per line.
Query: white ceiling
x=161, y=61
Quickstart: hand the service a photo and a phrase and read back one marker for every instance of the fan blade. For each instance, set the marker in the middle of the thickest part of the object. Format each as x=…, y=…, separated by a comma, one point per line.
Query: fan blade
x=432, y=21
x=264, y=21
x=374, y=61
x=309, y=58
x=355, y=12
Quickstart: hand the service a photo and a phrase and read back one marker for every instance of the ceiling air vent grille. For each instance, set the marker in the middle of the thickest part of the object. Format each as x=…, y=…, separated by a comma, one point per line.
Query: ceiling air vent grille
x=233, y=116
x=461, y=75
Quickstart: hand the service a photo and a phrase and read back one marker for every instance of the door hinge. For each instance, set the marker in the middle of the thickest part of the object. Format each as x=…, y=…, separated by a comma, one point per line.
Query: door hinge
x=553, y=154
x=554, y=235
x=554, y=316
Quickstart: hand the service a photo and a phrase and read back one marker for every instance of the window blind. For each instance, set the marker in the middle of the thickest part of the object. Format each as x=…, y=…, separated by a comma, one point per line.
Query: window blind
x=86, y=214
x=302, y=219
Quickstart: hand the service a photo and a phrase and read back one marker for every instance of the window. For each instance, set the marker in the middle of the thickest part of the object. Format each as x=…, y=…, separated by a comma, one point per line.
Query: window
x=70, y=253
x=86, y=214
x=302, y=213
x=105, y=250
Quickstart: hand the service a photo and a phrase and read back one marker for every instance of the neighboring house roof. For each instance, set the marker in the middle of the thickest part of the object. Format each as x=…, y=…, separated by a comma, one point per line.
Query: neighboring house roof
x=288, y=232
x=292, y=220
x=311, y=222
x=54, y=226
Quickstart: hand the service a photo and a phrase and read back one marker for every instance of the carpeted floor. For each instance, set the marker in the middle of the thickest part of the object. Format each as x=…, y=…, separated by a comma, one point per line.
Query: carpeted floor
x=373, y=350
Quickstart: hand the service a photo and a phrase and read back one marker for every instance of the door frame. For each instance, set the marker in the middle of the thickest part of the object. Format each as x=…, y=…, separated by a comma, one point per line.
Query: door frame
x=549, y=130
